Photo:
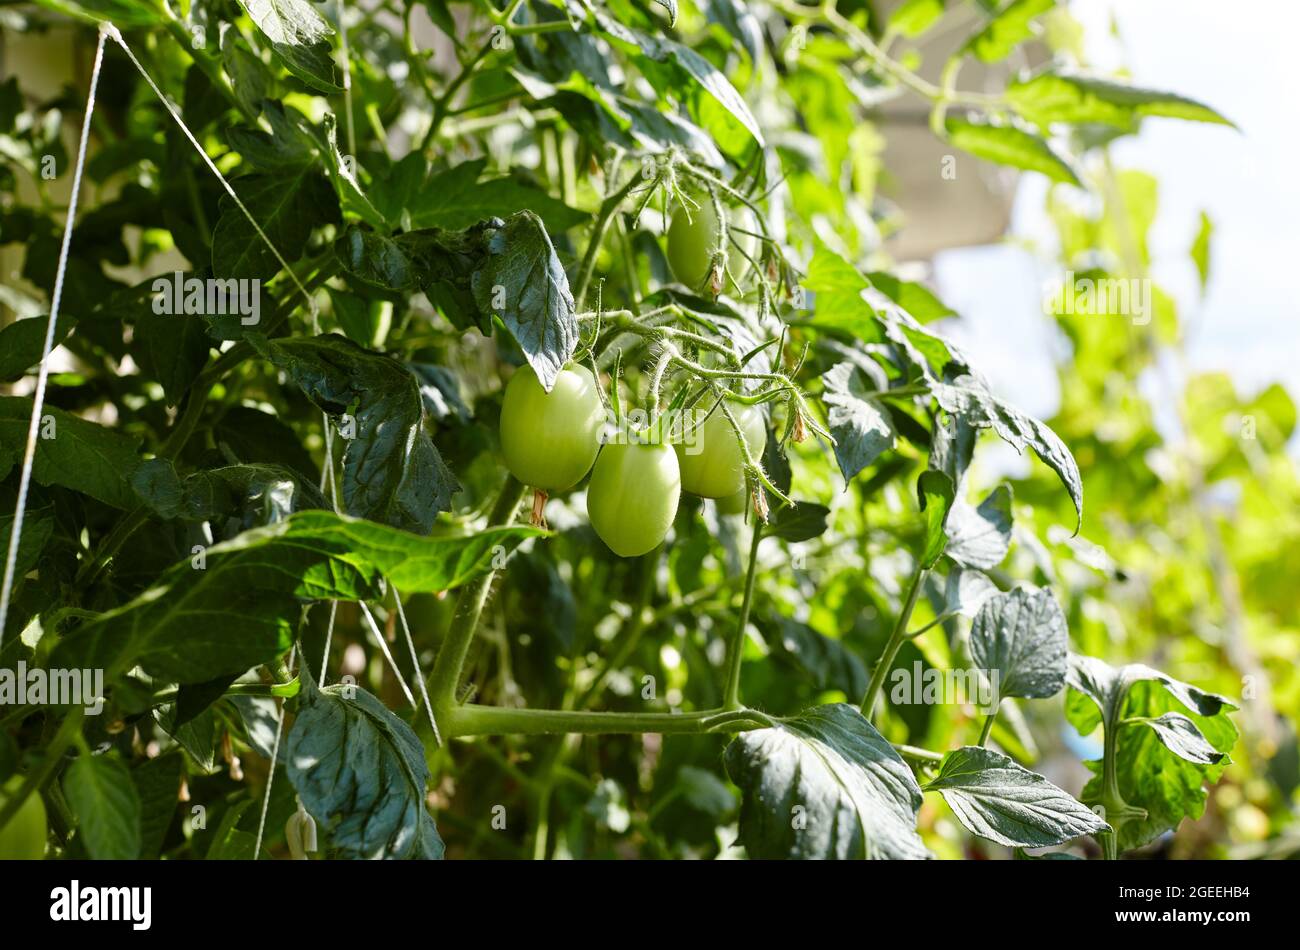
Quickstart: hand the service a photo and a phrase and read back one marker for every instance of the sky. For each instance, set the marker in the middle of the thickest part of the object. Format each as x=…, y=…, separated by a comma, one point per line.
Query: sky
x=1240, y=59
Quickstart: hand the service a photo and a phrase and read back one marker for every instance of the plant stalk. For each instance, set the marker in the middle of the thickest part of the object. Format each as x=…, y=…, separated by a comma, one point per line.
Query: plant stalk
x=469, y=607
x=896, y=639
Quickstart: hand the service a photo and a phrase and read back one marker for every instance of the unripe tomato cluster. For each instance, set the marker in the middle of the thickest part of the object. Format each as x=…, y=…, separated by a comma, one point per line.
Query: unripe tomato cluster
x=23, y=836
x=550, y=441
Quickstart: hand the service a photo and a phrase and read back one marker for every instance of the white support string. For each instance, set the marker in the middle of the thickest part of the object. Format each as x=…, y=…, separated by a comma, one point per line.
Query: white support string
x=171, y=109
x=270, y=774
x=383, y=647
x=415, y=663
x=43, y=371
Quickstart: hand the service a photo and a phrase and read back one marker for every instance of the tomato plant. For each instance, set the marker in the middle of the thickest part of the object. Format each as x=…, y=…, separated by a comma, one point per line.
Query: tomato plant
x=306, y=298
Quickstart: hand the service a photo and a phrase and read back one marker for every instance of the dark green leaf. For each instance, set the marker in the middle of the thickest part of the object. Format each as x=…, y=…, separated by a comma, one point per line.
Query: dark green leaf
x=361, y=773
x=522, y=282
x=392, y=473
x=243, y=607
x=829, y=663
x=198, y=736
x=157, y=784
x=71, y=452
x=455, y=199
x=22, y=341
x=995, y=798
x=824, y=784
x=801, y=523
x=106, y=805
x=172, y=349
x=300, y=37
x=969, y=399
x=286, y=206
x=253, y=495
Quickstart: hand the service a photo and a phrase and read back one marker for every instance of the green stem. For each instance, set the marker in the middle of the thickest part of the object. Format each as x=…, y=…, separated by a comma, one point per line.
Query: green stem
x=607, y=209
x=896, y=639
x=917, y=754
x=66, y=736
x=988, y=726
x=442, y=109
x=736, y=645
x=469, y=606
x=475, y=720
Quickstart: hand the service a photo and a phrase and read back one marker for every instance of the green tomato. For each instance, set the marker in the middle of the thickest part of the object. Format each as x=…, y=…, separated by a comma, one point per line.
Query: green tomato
x=692, y=239
x=710, y=459
x=633, y=495
x=23, y=838
x=550, y=439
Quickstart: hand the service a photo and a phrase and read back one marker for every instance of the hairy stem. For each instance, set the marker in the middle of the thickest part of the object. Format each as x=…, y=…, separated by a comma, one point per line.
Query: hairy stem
x=736, y=645
x=469, y=606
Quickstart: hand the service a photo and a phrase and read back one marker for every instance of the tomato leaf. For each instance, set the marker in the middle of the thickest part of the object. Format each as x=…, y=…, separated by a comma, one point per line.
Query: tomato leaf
x=1007, y=30
x=858, y=421
x=827, y=661
x=824, y=784
x=1160, y=769
x=911, y=18
x=1179, y=735
x=70, y=452
x=22, y=342
x=455, y=199
x=522, y=282
x=106, y=804
x=1048, y=97
x=1010, y=145
x=300, y=37
x=997, y=799
x=252, y=495
x=392, y=472
x=1020, y=637
x=802, y=522
x=243, y=607
x=968, y=398
x=980, y=537
x=361, y=773
x=287, y=207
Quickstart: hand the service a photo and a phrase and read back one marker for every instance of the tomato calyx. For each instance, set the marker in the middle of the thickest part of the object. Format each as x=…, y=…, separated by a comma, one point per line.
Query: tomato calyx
x=538, y=517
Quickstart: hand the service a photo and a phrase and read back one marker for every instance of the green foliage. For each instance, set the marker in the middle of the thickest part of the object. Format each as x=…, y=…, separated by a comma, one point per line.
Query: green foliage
x=226, y=508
